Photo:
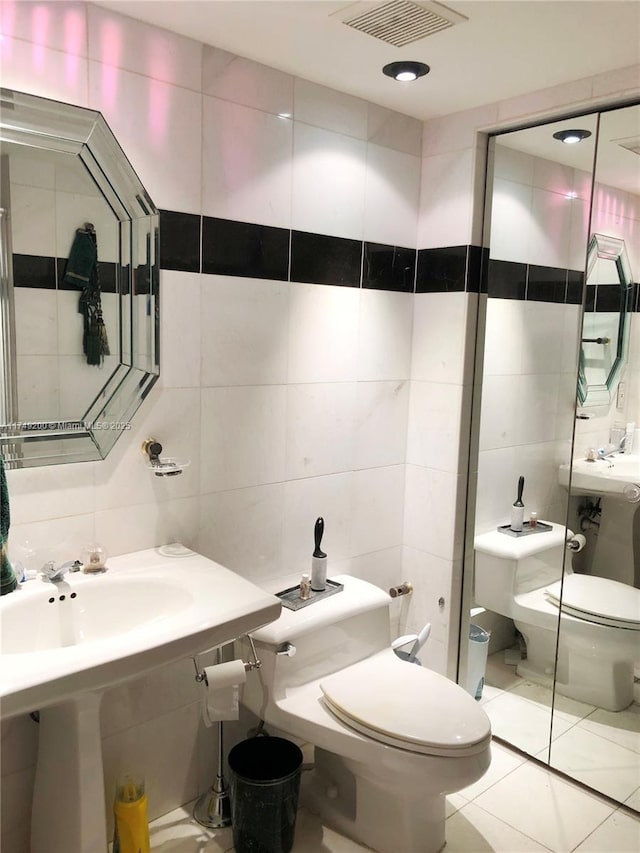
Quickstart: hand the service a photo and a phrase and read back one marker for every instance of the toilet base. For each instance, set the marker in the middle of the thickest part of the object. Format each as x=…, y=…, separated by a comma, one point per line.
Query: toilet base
x=364, y=804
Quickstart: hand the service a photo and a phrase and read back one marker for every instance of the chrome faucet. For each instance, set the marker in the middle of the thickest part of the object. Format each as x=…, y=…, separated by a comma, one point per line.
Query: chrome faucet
x=55, y=573
x=603, y=453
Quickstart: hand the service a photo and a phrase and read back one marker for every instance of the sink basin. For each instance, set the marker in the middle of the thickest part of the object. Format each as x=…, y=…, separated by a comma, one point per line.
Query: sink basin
x=90, y=631
x=62, y=644
x=602, y=477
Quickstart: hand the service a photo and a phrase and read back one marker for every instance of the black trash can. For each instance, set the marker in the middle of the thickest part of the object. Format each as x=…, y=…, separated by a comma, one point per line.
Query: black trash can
x=265, y=783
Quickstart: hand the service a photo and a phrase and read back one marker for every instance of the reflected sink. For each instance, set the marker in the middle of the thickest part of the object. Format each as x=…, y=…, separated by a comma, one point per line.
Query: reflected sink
x=602, y=477
x=88, y=632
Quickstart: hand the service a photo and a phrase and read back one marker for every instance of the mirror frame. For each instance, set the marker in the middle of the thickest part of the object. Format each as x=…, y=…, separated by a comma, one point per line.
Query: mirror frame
x=54, y=126
x=611, y=249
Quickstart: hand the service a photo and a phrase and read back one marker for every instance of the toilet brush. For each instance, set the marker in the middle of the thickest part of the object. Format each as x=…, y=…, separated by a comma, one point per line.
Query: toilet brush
x=213, y=808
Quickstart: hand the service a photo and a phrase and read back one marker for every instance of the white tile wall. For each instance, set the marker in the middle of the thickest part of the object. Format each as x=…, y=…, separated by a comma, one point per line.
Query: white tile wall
x=31, y=67
x=244, y=331
x=246, y=164
x=446, y=217
x=391, y=196
x=331, y=110
x=329, y=171
x=394, y=130
x=123, y=42
x=234, y=78
x=165, y=135
x=323, y=334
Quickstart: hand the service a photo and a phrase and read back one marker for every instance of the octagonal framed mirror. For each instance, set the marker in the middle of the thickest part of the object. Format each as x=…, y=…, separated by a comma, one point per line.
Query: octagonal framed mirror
x=605, y=328
x=79, y=284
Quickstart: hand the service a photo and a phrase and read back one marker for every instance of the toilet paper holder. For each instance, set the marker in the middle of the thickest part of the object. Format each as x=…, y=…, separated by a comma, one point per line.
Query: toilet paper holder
x=256, y=663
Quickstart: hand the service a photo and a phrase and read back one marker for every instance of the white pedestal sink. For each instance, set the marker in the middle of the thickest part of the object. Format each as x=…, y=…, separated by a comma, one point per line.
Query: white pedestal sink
x=610, y=476
x=62, y=644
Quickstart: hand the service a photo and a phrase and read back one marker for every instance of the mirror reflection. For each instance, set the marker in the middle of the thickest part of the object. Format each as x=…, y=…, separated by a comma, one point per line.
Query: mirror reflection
x=78, y=284
x=555, y=601
x=51, y=198
x=605, y=328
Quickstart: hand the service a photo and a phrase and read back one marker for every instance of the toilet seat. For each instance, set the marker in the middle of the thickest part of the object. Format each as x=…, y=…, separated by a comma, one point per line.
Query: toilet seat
x=406, y=706
x=595, y=599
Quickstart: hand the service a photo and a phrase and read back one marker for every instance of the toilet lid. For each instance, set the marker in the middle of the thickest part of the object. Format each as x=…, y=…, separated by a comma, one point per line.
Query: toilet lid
x=598, y=600
x=407, y=706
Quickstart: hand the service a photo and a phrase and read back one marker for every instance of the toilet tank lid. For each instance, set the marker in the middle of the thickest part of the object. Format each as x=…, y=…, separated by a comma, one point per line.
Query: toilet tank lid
x=518, y=547
x=357, y=597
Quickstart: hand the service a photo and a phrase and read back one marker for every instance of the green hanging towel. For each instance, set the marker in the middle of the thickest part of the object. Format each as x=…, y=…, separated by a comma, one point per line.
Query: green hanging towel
x=8, y=580
x=82, y=271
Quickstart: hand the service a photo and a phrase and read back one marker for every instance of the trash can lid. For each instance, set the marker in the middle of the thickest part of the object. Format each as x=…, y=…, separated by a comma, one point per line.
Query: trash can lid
x=407, y=706
x=478, y=634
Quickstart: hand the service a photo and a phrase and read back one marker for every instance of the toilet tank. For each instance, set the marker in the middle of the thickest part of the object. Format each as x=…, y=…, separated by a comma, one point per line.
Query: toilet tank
x=327, y=635
x=506, y=566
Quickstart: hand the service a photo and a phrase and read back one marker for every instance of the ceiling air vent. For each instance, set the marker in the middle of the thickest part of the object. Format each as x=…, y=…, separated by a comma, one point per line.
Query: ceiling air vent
x=400, y=22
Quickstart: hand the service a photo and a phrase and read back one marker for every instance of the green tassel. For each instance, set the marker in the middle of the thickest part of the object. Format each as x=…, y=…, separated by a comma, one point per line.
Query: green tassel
x=104, y=340
x=97, y=341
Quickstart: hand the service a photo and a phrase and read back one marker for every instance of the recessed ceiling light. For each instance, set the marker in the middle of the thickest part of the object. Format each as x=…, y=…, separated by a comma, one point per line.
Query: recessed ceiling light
x=570, y=137
x=406, y=70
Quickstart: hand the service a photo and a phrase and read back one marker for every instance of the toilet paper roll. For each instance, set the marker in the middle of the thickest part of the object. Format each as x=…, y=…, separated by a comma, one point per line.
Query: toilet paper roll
x=222, y=689
x=577, y=542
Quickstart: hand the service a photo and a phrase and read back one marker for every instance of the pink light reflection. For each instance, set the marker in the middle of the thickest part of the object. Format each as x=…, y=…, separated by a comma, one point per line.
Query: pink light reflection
x=160, y=66
x=158, y=111
x=39, y=28
x=111, y=49
x=73, y=41
x=8, y=18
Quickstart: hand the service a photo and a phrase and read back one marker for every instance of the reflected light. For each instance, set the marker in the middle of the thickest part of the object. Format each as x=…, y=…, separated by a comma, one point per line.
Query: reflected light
x=158, y=110
x=39, y=27
x=111, y=46
x=73, y=40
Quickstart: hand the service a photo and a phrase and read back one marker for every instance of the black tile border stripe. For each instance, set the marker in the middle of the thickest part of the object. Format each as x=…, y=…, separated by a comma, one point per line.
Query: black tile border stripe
x=244, y=249
x=34, y=271
x=532, y=283
x=320, y=259
x=193, y=243
x=388, y=267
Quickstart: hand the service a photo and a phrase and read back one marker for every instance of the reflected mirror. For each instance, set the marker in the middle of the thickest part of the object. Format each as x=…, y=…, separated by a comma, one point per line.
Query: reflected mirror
x=78, y=284
x=605, y=329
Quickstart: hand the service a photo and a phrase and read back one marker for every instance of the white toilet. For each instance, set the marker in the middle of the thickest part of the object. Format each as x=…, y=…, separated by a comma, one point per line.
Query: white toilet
x=599, y=637
x=391, y=738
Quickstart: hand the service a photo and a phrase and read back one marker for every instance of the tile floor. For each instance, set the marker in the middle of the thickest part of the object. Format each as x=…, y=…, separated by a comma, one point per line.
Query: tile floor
x=599, y=748
x=517, y=807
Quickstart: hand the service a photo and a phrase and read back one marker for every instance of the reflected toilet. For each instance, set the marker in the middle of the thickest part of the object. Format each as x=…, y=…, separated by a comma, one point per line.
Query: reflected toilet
x=599, y=636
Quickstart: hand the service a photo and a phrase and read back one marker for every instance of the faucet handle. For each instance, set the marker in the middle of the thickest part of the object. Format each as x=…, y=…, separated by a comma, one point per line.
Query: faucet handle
x=49, y=569
x=55, y=573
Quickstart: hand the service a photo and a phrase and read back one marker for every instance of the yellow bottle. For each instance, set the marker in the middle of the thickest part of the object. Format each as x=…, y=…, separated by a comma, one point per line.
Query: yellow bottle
x=131, y=827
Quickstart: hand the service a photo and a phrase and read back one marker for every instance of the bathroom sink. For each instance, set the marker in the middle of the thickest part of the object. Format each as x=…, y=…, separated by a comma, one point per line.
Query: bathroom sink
x=88, y=632
x=603, y=477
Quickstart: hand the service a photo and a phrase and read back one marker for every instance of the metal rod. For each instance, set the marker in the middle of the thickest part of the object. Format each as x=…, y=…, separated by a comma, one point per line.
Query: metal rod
x=213, y=808
x=256, y=663
x=603, y=341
